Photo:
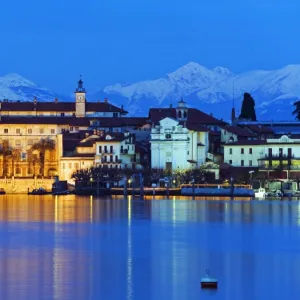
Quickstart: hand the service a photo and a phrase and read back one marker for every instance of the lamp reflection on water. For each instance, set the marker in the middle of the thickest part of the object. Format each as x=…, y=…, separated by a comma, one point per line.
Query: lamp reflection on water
x=129, y=251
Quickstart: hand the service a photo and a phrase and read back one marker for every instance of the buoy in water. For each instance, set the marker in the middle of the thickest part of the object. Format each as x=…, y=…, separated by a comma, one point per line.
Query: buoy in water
x=208, y=282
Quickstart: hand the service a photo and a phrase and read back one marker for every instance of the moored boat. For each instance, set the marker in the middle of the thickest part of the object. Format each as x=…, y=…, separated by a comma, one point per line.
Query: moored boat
x=39, y=191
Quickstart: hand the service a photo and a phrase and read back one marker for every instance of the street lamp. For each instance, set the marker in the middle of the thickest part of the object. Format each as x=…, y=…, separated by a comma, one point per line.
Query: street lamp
x=129, y=181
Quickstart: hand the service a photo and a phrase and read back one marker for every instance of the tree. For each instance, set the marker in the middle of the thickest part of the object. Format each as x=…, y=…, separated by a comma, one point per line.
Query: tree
x=248, y=108
x=6, y=152
x=42, y=146
x=296, y=112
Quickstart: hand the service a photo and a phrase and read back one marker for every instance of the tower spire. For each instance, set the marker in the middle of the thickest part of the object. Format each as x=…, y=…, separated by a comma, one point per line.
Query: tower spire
x=80, y=87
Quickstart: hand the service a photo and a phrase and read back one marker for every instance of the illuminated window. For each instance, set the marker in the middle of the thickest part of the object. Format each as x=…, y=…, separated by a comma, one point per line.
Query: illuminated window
x=41, y=130
x=29, y=131
x=18, y=131
x=52, y=131
x=5, y=130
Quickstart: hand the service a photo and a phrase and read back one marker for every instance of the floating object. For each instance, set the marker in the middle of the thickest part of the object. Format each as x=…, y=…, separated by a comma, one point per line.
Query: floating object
x=208, y=282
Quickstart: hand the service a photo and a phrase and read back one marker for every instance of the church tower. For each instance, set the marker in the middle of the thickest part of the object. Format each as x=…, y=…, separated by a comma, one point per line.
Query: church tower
x=80, y=95
x=181, y=111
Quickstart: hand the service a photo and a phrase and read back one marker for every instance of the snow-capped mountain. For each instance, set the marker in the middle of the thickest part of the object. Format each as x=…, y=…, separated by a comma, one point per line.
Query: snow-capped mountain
x=15, y=87
x=213, y=91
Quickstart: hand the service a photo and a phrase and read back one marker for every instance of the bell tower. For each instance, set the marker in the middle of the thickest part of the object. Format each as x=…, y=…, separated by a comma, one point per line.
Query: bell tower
x=181, y=111
x=80, y=95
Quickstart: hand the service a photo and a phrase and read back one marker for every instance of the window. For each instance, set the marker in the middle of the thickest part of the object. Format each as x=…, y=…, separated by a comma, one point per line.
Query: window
x=62, y=114
x=117, y=158
x=18, y=131
x=250, y=150
x=76, y=166
x=230, y=150
x=41, y=130
x=122, y=149
x=242, y=150
x=18, y=143
x=188, y=153
x=29, y=131
x=250, y=163
x=111, y=158
x=105, y=149
x=110, y=166
x=242, y=162
x=77, y=128
x=63, y=165
x=71, y=128
x=224, y=132
x=52, y=131
x=230, y=162
x=280, y=151
x=18, y=170
x=111, y=149
x=29, y=142
x=100, y=149
x=5, y=130
x=168, y=136
x=70, y=165
x=115, y=115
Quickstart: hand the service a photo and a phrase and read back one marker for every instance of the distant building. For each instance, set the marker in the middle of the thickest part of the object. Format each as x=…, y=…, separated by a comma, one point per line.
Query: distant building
x=278, y=158
x=180, y=137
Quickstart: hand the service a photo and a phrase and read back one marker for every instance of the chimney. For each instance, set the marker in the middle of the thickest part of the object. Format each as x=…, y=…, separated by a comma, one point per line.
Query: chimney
x=56, y=100
x=105, y=100
x=171, y=106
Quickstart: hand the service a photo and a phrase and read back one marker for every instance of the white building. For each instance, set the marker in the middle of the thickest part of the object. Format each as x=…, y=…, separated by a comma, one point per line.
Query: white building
x=267, y=155
x=176, y=146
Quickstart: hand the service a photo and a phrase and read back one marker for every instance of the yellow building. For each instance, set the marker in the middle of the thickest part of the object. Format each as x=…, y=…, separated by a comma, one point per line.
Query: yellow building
x=29, y=133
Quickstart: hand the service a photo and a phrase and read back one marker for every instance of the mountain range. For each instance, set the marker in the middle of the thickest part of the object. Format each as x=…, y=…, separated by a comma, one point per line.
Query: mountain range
x=211, y=90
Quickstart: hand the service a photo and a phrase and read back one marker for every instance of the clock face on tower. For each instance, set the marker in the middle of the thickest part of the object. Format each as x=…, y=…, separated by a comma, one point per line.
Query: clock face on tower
x=80, y=98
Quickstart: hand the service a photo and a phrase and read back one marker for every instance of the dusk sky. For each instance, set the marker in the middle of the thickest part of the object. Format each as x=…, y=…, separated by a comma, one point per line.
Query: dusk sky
x=52, y=41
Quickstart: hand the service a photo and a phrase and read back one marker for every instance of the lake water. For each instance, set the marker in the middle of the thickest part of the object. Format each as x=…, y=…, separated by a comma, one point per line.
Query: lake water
x=71, y=247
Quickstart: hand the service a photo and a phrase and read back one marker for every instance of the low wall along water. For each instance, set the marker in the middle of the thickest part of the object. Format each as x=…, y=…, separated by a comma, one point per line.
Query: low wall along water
x=21, y=185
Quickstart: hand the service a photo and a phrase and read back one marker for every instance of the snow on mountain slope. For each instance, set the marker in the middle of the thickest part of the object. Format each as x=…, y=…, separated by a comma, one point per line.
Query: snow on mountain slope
x=15, y=87
x=273, y=90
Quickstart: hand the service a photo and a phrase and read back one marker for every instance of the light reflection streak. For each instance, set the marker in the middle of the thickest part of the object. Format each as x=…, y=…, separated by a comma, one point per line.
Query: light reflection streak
x=91, y=209
x=129, y=251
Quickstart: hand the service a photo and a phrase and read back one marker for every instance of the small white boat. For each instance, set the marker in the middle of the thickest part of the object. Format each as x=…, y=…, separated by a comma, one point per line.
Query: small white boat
x=260, y=193
x=208, y=282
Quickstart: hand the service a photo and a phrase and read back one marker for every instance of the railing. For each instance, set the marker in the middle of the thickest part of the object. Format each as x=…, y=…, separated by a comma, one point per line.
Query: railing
x=223, y=185
x=278, y=157
x=280, y=167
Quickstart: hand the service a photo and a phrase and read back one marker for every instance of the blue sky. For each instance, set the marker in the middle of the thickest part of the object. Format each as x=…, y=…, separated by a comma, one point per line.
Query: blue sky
x=53, y=41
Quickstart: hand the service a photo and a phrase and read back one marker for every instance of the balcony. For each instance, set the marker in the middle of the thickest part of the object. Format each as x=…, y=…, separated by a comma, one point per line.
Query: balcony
x=279, y=157
x=280, y=167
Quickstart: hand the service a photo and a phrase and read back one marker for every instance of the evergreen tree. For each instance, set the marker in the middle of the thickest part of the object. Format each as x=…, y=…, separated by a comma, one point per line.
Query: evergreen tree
x=248, y=108
x=296, y=112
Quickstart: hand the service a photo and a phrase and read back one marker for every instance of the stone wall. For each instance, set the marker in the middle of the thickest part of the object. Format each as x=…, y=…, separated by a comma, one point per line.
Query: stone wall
x=21, y=186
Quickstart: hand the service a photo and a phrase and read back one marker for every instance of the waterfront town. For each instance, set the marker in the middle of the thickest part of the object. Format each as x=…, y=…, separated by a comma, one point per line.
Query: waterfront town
x=90, y=141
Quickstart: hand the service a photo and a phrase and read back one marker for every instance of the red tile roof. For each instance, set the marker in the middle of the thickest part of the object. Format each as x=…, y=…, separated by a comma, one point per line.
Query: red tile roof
x=45, y=120
x=194, y=116
x=239, y=131
x=59, y=107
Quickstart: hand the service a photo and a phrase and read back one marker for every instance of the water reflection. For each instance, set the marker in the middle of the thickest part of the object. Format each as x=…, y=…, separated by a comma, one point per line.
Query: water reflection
x=101, y=248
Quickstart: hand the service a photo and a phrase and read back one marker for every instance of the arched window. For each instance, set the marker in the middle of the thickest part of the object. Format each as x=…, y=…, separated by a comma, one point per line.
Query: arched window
x=185, y=114
x=179, y=115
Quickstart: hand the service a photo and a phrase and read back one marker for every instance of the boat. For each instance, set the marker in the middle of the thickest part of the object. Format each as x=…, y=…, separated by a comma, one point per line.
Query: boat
x=39, y=191
x=260, y=193
x=2, y=191
x=208, y=282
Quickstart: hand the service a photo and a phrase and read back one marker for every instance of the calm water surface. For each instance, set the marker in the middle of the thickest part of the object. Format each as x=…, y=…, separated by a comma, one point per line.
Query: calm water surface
x=72, y=247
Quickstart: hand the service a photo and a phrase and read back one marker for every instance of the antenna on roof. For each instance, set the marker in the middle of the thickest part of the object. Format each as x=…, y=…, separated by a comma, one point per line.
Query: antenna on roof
x=233, y=108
